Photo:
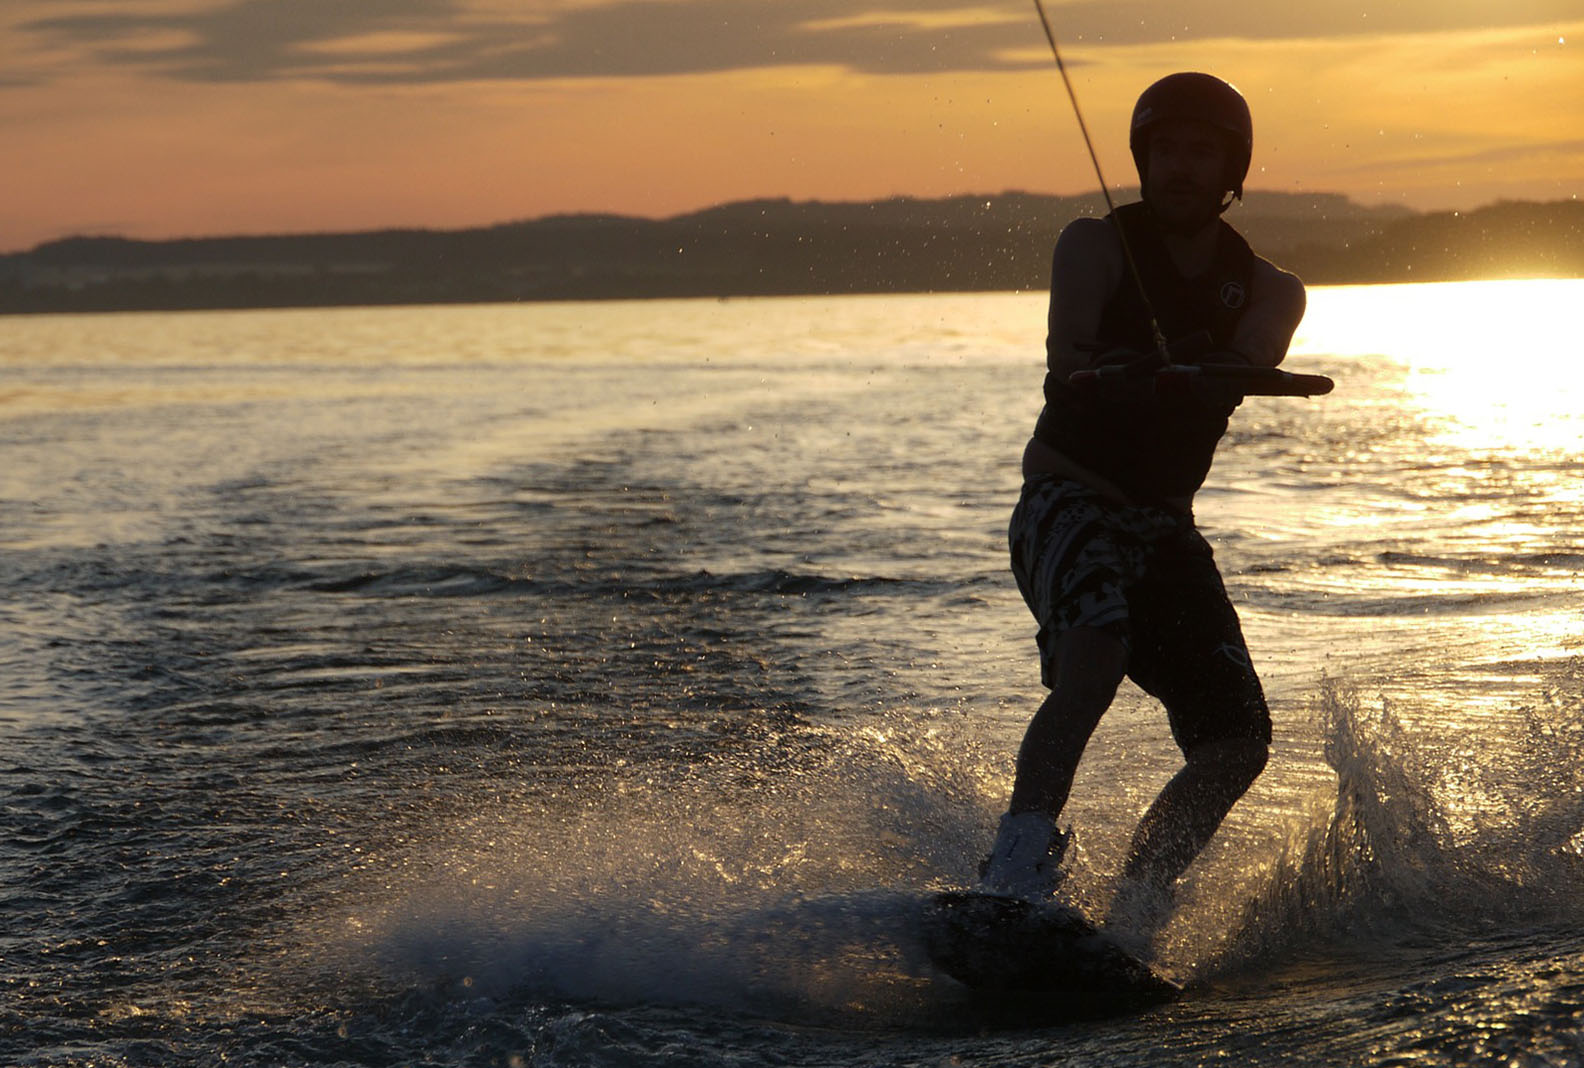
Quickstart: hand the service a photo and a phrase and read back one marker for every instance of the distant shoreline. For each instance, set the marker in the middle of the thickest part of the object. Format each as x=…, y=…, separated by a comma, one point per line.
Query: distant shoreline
x=998, y=242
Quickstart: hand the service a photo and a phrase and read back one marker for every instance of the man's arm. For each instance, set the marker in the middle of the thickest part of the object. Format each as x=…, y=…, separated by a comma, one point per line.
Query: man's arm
x=1085, y=270
x=1276, y=306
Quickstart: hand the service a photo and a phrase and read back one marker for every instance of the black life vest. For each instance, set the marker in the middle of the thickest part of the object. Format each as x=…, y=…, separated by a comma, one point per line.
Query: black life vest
x=1153, y=448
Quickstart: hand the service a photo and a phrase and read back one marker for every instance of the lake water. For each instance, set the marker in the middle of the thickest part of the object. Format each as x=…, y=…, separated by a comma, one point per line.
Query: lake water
x=600, y=684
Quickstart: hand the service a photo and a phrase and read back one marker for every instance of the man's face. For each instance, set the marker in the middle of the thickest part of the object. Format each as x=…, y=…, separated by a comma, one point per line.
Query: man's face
x=1187, y=173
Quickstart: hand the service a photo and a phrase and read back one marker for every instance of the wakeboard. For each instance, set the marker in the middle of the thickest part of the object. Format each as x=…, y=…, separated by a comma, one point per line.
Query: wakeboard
x=1006, y=946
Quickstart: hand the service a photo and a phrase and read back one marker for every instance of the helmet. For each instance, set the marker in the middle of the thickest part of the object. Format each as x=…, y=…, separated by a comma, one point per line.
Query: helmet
x=1204, y=97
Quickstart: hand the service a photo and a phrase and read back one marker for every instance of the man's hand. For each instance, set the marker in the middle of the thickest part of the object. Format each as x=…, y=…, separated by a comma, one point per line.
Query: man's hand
x=1143, y=378
x=1223, y=357
x=1130, y=362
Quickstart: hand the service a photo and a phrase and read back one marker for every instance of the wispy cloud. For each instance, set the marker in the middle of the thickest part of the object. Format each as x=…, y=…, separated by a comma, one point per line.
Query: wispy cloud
x=417, y=41
x=443, y=40
x=1523, y=151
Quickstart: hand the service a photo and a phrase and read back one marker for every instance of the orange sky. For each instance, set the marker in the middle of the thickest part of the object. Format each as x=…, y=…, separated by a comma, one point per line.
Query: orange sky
x=155, y=118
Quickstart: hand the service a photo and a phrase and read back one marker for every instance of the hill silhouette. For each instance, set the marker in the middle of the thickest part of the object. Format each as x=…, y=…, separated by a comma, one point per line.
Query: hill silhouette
x=760, y=247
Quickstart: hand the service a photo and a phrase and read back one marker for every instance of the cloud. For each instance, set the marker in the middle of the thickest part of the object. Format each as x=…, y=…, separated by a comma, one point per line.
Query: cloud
x=1523, y=151
x=443, y=40
x=420, y=41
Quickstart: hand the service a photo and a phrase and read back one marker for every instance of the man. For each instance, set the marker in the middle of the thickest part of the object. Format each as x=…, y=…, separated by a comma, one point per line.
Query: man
x=1103, y=540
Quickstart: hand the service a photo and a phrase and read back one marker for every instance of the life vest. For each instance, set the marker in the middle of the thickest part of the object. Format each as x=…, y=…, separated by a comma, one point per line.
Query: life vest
x=1153, y=448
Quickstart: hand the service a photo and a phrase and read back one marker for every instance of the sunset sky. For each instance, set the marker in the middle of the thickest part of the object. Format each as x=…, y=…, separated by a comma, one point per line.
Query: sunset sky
x=159, y=118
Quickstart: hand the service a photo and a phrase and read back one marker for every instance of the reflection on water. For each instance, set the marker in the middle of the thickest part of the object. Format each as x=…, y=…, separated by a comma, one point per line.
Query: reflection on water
x=1492, y=365
x=1461, y=442
x=1443, y=323
x=670, y=638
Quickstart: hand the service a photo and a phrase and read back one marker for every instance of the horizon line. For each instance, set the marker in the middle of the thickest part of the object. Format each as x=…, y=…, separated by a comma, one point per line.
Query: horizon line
x=112, y=235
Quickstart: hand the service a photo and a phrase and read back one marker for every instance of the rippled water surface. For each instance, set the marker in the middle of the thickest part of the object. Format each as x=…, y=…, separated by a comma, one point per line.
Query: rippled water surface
x=601, y=685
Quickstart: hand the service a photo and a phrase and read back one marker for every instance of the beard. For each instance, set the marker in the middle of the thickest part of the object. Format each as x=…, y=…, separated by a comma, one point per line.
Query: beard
x=1182, y=207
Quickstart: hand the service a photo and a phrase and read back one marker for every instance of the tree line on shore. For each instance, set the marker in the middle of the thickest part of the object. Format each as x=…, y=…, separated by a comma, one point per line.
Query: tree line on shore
x=762, y=248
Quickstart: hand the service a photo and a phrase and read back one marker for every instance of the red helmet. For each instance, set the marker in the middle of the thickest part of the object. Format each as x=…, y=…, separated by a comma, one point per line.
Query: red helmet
x=1196, y=96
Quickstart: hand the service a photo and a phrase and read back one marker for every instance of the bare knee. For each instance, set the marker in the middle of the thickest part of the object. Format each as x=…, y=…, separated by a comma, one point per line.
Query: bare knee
x=1236, y=762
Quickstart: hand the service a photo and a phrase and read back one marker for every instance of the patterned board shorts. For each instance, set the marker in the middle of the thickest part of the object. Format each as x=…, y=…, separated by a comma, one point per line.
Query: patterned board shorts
x=1147, y=577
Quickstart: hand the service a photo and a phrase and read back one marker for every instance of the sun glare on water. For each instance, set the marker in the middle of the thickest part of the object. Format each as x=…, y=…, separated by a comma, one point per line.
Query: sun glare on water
x=1500, y=361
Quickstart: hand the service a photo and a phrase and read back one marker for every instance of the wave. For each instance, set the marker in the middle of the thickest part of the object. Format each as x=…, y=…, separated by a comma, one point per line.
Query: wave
x=465, y=581
x=1530, y=563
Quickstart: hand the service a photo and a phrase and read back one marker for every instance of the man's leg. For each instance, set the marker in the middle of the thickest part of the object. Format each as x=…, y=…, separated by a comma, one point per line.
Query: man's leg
x=1188, y=811
x=1189, y=652
x=1085, y=668
x=1074, y=555
x=1177, y=827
